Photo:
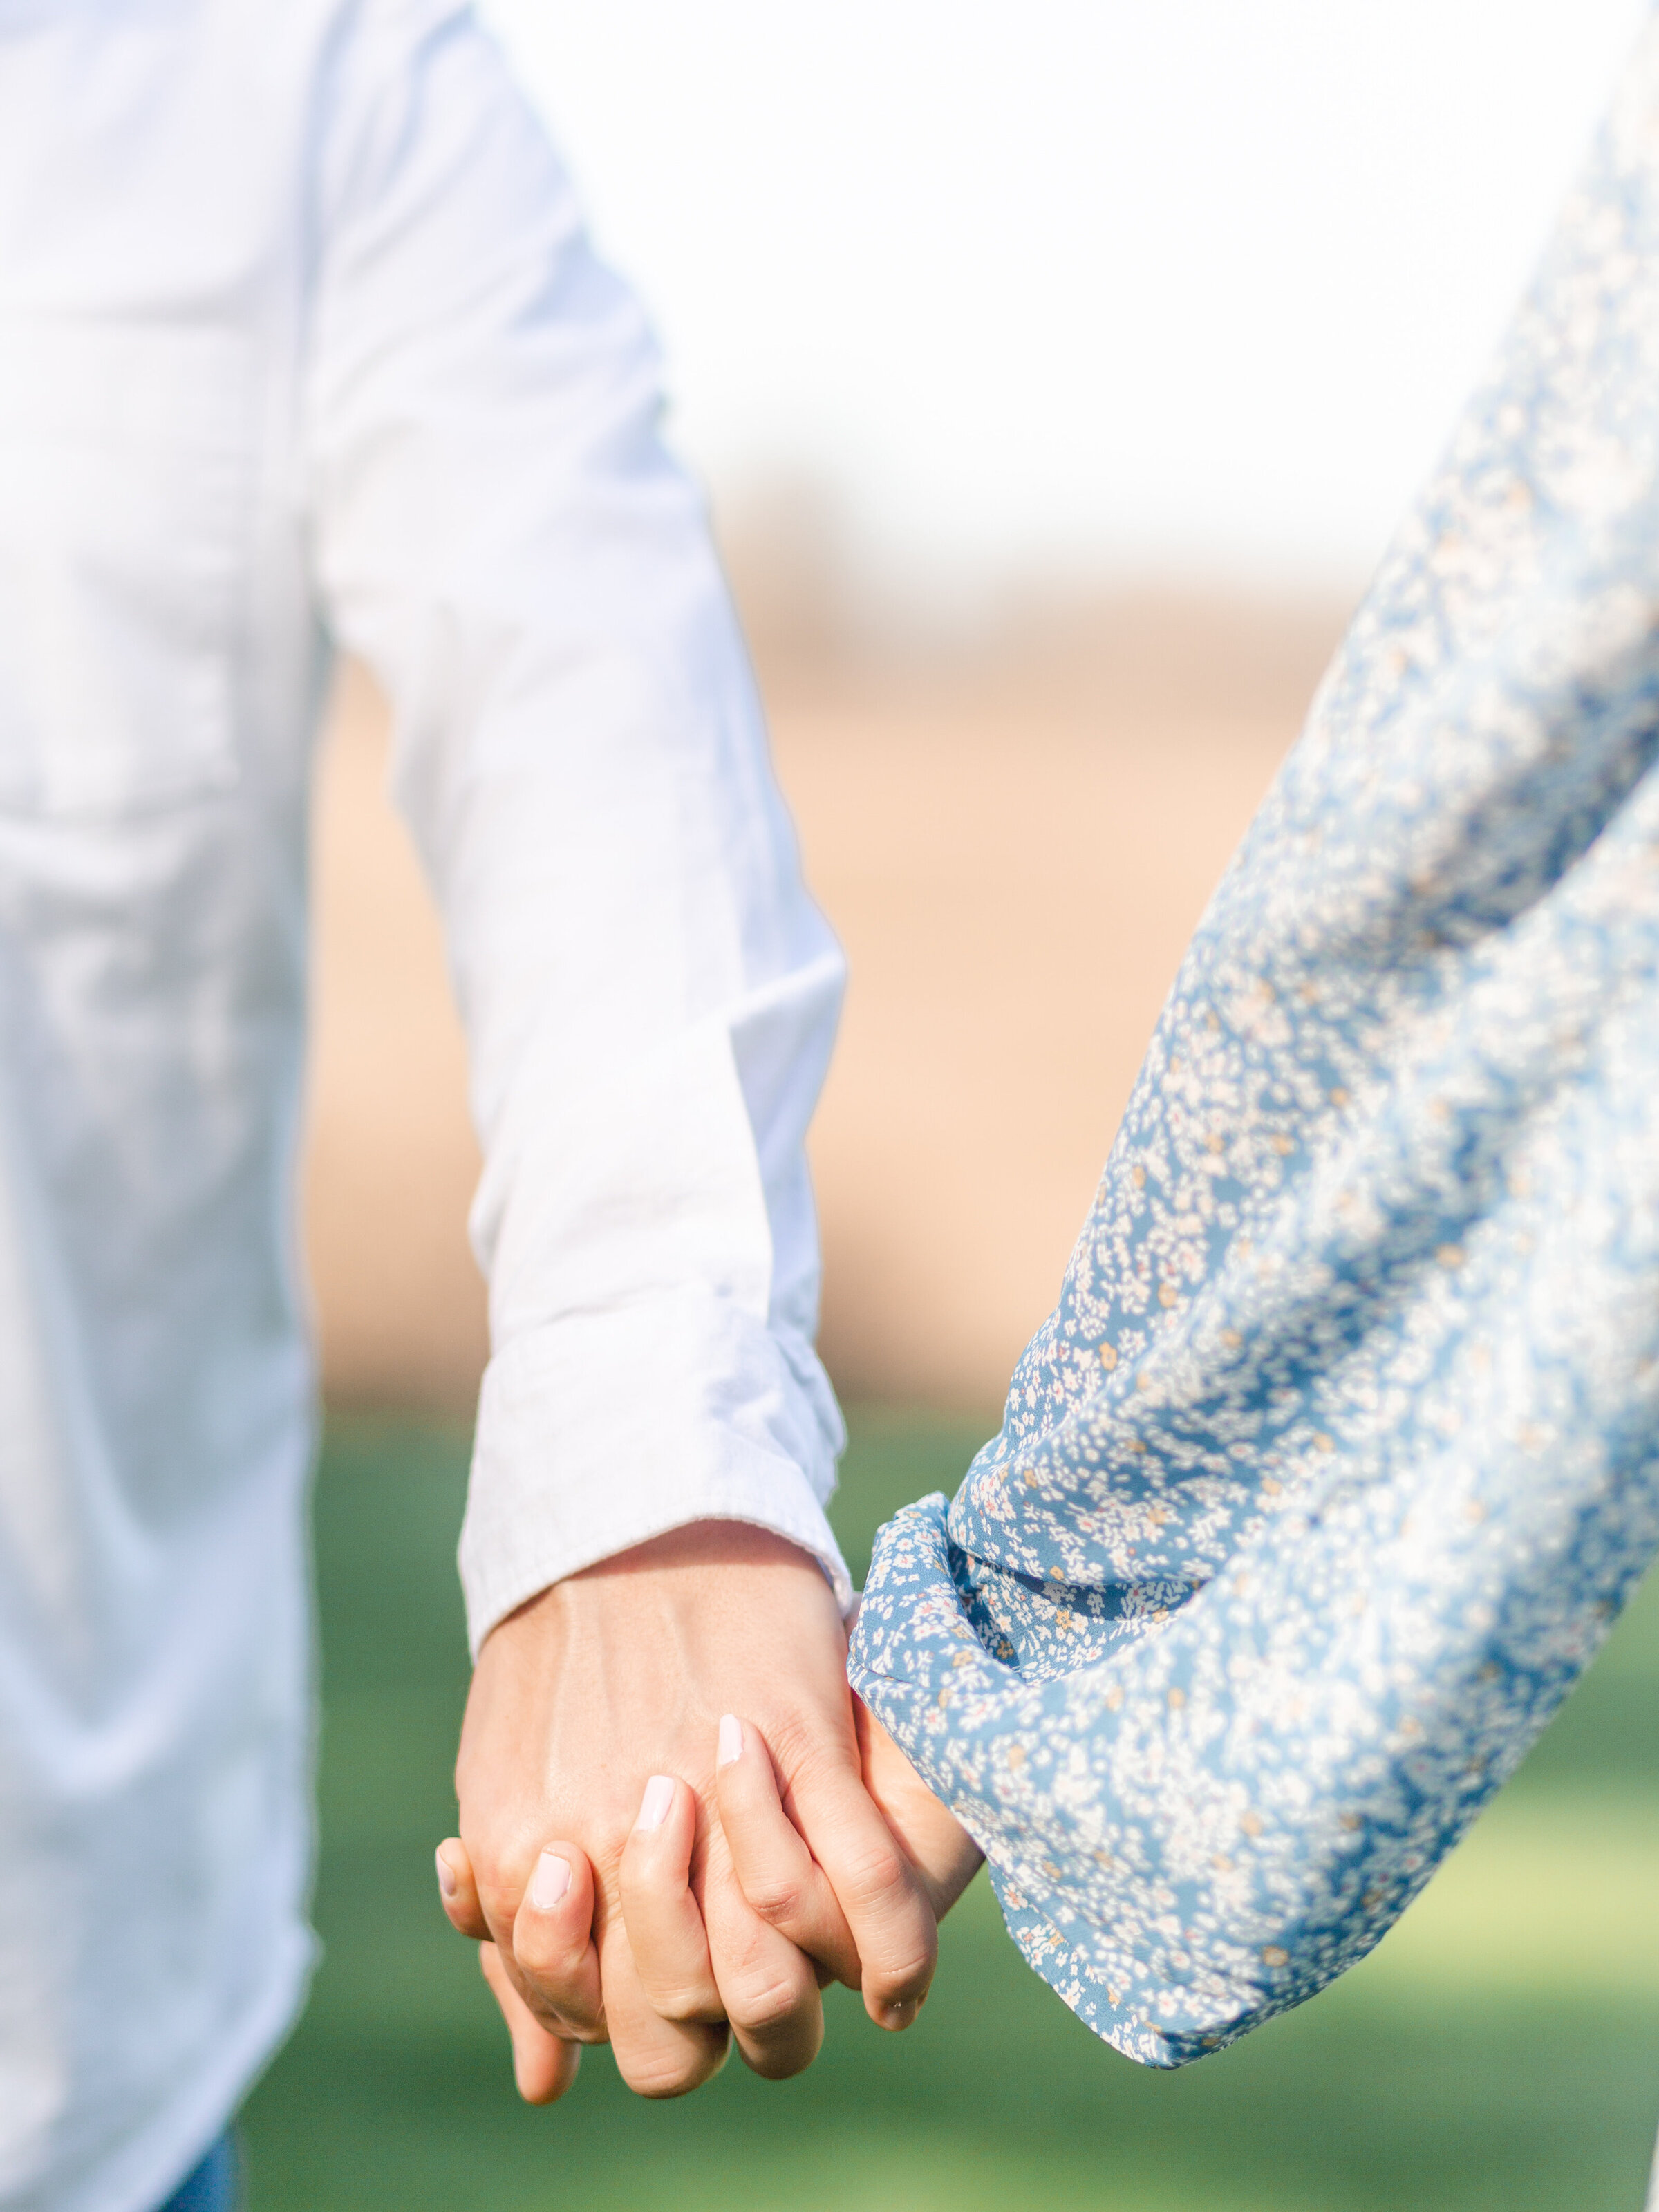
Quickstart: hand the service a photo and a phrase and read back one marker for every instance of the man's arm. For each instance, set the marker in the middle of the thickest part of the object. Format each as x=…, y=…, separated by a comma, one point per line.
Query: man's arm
x=649, y=997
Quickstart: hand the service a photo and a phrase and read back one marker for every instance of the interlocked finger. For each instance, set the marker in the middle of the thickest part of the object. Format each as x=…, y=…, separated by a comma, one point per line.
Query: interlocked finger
x=665, y=1925
x=877, y=1887
x=656, y=2057
x=780, y=1879
x=767, y=1986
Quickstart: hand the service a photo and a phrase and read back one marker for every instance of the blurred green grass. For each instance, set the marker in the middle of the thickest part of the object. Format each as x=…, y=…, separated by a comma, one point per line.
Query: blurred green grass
x=1500, y=2049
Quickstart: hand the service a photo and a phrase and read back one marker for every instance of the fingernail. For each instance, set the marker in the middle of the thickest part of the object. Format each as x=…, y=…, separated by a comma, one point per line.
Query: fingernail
x=550, y=1882
x=447, y=1880
x=899, y=2016
x=731, y=1740
x=659, y=1796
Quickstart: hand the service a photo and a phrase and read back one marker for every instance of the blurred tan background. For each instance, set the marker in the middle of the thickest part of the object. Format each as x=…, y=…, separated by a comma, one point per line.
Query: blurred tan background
x=1014, y=828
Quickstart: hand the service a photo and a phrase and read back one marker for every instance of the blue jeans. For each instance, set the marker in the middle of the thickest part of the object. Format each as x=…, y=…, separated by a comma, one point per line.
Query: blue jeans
x=215, y=2186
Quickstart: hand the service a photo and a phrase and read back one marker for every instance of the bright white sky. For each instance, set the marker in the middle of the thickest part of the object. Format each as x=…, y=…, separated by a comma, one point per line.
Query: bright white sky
x=1077, y=285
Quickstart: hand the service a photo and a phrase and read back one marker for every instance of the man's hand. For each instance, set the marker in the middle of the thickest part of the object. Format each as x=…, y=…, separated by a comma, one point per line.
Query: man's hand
x=594, y=1717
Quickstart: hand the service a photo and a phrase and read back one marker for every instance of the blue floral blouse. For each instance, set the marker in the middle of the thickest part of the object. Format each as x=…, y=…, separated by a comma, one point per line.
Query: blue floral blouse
x=1340, y=1451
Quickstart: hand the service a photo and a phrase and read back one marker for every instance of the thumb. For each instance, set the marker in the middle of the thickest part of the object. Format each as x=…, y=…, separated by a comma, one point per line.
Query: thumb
x=459, y=1891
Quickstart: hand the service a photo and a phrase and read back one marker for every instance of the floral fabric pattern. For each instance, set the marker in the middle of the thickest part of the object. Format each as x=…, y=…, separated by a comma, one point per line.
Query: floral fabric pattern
x=1340, y=1451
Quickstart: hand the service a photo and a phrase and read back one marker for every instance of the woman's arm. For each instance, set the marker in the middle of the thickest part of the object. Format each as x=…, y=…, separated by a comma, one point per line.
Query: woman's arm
x=1340, y=1451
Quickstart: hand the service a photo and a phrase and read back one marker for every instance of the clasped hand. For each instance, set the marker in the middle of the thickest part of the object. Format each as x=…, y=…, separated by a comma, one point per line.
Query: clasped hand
x=677, y=1823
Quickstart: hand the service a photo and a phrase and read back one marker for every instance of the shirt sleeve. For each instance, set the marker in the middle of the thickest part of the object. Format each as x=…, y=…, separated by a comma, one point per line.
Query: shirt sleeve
x=1340, y=1451
x=648, y=994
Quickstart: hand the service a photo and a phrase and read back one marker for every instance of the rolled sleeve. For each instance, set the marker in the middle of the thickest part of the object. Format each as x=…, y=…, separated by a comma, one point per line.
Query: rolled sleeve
x=602, y=1430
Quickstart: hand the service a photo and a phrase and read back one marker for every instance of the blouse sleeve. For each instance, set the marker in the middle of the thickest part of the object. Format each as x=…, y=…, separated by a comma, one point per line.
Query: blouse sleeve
x=1340, y=1451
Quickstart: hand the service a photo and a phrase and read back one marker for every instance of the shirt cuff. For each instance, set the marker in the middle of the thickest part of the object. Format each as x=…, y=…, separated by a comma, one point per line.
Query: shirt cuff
x=603, y=1430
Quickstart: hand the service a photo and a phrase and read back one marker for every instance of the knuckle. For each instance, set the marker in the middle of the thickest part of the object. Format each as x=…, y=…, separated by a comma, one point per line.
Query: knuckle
x=778, y=2062
x=819, y=1760
x=551, y=2016
x=539, y=1951
x=563, y=2003
x=566, y=2012
x=655, y=2077
x=795, y=1740
x=682, y=2002
x=896, y=1983
x=778, y=1899
x=878, y=1875
x=767, y=2003
x=493, y=1880
x=660, y=2073
x=574, y=2003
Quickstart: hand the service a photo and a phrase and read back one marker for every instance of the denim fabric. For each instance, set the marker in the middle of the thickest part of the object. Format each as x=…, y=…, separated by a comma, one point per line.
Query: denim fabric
x=216, y=2184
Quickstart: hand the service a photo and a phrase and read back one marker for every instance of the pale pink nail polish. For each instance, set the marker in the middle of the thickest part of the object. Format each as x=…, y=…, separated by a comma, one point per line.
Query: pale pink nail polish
x=446, y=1882
x=551, y=1881
x=654, y=1806
x=731, y=1744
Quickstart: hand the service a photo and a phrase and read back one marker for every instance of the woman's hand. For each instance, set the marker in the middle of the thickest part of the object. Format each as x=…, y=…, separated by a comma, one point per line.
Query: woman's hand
x=945, y=1856
x=778, y=1874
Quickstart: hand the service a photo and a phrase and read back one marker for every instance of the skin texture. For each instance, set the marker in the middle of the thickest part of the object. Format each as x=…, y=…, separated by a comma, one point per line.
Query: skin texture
x=622, y=1673
x=945, y=1856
